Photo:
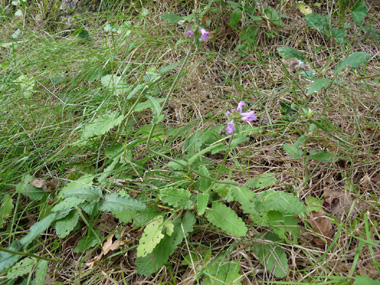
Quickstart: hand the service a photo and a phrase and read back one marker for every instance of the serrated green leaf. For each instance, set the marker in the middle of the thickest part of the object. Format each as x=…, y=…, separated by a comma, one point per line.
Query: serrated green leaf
x=354, y=60
x=284, y=224
x=263, y=181
x=171, y=18
x=102, y=124
x=90, y=194
x=146, y=216
x=359, y=11
x=125, y=216
x=151, y=237
x=67, y=203
x=135, y=90
x=283, y=202
x=21, y=268
x=176, y=197
x=288, y=52
x=6, y=208
x=317, y=85
x=235, y=17
x=90, y=240
x=117, y=203
x=37, y=229
x=152, y=262
x=339, y=35
x=273, y=258
x=202, y=201
x=146, y=105
x=64, y=226
x=40, y=273
x=293, y=151
x=225, y=218
x=221, y=274
x=322, y=156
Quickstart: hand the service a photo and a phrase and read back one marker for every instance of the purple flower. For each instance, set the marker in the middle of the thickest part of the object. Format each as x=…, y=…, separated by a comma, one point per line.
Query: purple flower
x=239, y=114
x=248, y=116
x=204, y=35
x=230, y=127
x=240, y=106
x=190, y=32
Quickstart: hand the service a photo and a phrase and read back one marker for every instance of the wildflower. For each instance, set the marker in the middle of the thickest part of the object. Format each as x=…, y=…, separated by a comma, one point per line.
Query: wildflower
x=230, y=127
x=204, y=35
x=190, y=33
x=239, y=114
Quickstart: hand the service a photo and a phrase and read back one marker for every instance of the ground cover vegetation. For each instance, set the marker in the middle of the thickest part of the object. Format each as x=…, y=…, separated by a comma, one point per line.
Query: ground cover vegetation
x=190, y=142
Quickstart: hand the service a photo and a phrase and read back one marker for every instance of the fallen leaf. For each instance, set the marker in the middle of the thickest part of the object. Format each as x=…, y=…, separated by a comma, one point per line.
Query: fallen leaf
x=110, y=246
x=304, y=9
x=292, y=64
x=40, y=183
x=338, y=203
x=322, y=225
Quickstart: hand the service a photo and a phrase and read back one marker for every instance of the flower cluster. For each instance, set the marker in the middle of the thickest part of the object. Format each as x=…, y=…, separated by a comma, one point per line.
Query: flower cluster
x=204, y=34
x=239, y=114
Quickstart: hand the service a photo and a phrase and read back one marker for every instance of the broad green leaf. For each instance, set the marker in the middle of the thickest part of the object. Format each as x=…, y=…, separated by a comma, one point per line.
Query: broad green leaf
x=27, y=85
x=288, y=52
x=4, y=65
x=151, y=237
x=322, y=156
x=26, y=189
x=283, y=202
x=293, y=151
x=152, y=262
x=136, y=90
x=117, y=203
x=90, y=194
x=318, y=22
x=156, y=109
x=109, y=28
x=339, y=35
x=102, y=124
x=37, y=229
x=273, y=258
x=67, y=203
x=146, y=216
x=6, y=208
x=263, y=181
x=204, y=183
x=247, y=199
x=167, y=68
x=82, y=182
x=114, y=83
x=64, y=226
x=202, y=201
x=21, y=268
x=176, y=197
x=8, y=259
x=313, y=204
x=300, y=141
x=225, y=218
x=171, y=18
x=365, y=280
x=83, y=34
x=273, y=16
x=226, y=273
x=125, y=216
x=317, y=85
x=235, y=17
x=40, y=273
x=359, y=11
x=283, y=225
x=169, y=227
x=90, y=240
x=235, y=142
x=354, y=60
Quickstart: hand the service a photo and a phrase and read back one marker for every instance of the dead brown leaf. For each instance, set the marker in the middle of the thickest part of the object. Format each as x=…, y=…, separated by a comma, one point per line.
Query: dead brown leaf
x=338, y=203
x=109, y=245
x=40, y=183
x=322, y=225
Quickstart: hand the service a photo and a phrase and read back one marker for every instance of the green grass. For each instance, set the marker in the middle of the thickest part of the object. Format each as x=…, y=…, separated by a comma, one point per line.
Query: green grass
x=128, y=128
